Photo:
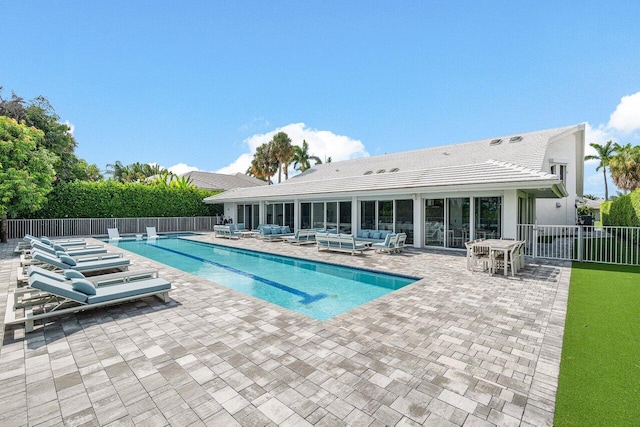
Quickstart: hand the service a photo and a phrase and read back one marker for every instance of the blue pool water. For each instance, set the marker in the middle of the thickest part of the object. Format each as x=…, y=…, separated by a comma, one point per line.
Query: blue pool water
x=315, y=289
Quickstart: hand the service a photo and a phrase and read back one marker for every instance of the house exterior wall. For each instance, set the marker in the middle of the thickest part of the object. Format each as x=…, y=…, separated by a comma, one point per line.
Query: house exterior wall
x=568, y=150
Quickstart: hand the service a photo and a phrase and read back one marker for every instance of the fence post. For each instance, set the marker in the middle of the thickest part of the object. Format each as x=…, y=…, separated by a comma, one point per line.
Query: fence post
x=535, y=240
x=580, y=242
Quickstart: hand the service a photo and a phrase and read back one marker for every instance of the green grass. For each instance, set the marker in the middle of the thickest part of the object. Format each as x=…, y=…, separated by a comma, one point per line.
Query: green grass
x=599, y=382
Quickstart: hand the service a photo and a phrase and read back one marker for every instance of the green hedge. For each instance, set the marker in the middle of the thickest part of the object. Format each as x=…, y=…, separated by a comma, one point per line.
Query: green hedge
x=107, y=199
x=624, y=211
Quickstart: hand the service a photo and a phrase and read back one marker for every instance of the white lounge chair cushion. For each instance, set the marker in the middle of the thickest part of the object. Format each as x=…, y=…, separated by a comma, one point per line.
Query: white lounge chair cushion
x=84, y=286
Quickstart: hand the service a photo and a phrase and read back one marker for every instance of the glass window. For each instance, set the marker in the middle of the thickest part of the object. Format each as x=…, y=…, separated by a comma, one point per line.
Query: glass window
x=488, y=217
x=459, y=214
x=256, y=216
x=270, y=217
x=345, y=217
x=385, y=215
x=240, y=214
x=318, y=215
x=305, y=215
x=368, y=215
x=288, y=215
x=434, y=222
x=332, y=215
x=404, y=218
x=279, y=218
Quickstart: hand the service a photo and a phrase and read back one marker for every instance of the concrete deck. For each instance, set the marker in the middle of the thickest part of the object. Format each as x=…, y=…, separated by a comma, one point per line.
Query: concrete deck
x=456, y=348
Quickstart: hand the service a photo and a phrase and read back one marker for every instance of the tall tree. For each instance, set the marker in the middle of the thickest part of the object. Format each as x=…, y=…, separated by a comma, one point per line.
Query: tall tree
x=301, y=157
x=604, y=154
x=58, y=138
x=26, y=171
x=625, y=167
x=283, y=151
x=264, y=164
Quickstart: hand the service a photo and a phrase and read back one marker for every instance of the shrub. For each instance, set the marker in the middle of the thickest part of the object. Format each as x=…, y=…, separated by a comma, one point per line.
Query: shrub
x=107, y=199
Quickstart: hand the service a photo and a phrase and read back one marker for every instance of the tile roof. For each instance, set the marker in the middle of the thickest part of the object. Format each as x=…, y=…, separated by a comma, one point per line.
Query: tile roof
x=512, y=160
x=219, y=181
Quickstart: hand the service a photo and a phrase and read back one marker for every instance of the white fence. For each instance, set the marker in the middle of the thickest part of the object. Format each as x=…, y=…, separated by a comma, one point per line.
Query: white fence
x=610, y=245
x=17, y=228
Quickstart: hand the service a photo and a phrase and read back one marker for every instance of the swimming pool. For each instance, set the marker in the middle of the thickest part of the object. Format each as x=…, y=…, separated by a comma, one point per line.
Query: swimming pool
x=315, y=289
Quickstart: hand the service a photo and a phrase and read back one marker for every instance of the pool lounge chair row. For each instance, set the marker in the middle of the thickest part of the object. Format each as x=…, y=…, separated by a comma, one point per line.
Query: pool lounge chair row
x=52, y=294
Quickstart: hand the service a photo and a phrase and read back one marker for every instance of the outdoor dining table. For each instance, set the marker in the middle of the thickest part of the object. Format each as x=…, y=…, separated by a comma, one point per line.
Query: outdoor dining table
x=498, y=245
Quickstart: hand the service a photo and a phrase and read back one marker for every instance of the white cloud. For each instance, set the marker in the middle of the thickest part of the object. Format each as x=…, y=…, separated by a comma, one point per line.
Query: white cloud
x=322, y=143
x=622, y=128
x=182, y=168
x=626, y=117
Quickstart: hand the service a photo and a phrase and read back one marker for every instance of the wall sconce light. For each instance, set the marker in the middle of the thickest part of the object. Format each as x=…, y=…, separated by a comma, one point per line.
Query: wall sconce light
x=558, y=205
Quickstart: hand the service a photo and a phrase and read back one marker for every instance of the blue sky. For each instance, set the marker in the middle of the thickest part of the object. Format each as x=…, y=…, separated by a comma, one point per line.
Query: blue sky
x=199, y=84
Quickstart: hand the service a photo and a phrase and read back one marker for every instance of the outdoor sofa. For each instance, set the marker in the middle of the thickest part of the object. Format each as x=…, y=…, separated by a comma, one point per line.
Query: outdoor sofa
x=274, y=233
x=373, y=236
x=226, y=231
x=302, y=237
x=339, y=243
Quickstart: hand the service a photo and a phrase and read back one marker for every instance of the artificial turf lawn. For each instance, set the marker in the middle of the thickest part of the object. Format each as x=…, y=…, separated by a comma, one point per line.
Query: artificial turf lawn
x=599, y=383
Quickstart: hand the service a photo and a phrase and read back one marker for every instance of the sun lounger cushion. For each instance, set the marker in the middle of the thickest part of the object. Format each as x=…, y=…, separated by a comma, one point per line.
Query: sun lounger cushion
x=34, y=269
x=56, y=287
x=72, y=274
x=84, y=286
x=68, y=260
x=129, y=289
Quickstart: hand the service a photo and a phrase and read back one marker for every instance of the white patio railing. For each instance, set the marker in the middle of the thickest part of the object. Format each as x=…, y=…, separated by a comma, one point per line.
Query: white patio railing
x=610, y=245
x=17, y=228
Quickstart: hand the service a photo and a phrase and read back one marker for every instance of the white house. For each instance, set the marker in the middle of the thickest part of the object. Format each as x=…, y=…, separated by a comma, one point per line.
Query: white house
x=440, y=196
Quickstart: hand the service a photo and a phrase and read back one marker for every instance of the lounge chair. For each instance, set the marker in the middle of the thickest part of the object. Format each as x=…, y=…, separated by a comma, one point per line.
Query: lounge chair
x=153, y=234
x=388, y=246
x=28, y=239
x=69, y=250
x=114, y=234
x=98, y=280
x=85, y=264
x=402, y=238
x=56, y=298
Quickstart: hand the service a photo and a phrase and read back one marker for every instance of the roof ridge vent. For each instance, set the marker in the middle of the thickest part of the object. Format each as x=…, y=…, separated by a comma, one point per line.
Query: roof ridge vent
x=496, y=141
x=515, y=138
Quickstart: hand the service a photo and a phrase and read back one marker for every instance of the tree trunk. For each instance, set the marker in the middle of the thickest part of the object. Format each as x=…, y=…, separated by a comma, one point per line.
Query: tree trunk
x=3, y=229
x=606, y=189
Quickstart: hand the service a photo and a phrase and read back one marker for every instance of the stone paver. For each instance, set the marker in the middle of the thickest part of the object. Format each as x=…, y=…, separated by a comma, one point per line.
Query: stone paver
x=455, y=348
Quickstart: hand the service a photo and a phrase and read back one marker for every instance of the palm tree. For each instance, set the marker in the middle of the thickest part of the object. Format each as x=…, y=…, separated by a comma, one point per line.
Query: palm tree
x=625, y=167
x=604, y=154
x=301, y=157
x=264, y=164
x=283, y=152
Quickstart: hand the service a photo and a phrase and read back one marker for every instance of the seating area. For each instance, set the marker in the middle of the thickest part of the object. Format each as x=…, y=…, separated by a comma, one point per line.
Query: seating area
x=493, y=255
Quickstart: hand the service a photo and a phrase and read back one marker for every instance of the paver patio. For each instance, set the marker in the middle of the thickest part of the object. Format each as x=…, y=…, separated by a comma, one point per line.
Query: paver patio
x=456, y=348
